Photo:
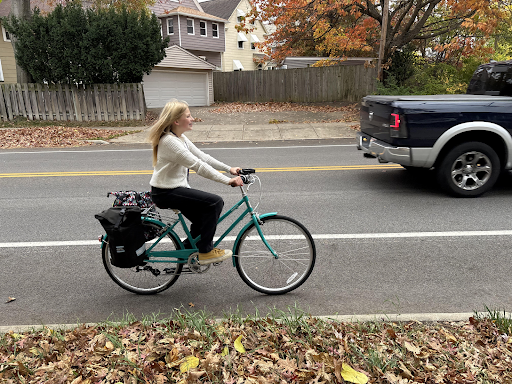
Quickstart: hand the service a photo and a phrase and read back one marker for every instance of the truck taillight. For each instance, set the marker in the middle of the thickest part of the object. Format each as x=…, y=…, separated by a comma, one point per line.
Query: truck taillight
x=397, y=126
x=395, y=121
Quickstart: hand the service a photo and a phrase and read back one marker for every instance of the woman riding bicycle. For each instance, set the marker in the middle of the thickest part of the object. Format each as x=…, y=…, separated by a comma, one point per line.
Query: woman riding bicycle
x=173, y=155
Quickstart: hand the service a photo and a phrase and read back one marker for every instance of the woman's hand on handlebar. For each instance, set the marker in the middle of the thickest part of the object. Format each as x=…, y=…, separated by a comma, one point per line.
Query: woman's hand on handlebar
x=235, y=171
x=236, y=182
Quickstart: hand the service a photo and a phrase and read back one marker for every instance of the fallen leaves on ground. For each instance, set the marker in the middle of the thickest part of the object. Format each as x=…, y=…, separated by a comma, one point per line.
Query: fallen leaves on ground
x=303, y=350
x=351, y=111
x=53, y=136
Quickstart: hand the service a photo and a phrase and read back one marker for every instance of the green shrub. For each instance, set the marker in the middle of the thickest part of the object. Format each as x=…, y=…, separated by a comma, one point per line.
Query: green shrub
x=430, y=79
x=75, y=45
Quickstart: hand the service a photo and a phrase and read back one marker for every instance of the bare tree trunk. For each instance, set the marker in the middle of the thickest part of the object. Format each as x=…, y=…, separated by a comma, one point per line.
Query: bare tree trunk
x=20, y=9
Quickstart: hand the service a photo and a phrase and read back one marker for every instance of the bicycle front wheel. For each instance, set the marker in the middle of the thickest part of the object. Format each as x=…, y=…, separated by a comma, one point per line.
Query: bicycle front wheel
x=295, y=248
x=152, y=277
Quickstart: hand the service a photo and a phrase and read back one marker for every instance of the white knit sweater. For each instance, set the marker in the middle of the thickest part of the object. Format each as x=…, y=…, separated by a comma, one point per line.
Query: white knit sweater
x=178, y=154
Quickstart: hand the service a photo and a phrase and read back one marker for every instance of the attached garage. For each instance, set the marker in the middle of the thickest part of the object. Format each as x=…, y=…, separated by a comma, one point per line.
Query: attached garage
x=181, y=75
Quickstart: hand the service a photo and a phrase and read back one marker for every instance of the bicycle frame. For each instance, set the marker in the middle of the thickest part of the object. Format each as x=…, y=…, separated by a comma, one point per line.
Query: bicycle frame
x=182, y=254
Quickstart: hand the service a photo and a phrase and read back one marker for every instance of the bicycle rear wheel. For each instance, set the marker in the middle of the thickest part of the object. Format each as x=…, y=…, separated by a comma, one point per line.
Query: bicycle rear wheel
x=151, y=278
x=260, y=270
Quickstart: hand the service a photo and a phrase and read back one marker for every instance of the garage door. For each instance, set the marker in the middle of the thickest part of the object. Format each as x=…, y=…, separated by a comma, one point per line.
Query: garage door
x=162, y=86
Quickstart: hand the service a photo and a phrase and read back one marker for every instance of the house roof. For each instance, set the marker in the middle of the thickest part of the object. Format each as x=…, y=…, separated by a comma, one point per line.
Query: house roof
x=186, y=12
x=304, y=61
x=5, y=6
x=317, y=58
x=220, y=8
x=177, y=57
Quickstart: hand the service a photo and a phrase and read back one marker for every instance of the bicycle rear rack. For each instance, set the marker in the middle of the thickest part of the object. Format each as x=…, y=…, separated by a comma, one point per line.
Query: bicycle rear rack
x=153, y=213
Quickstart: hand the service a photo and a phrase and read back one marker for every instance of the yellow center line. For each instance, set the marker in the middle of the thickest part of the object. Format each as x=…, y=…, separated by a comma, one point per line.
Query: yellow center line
x=149, y=172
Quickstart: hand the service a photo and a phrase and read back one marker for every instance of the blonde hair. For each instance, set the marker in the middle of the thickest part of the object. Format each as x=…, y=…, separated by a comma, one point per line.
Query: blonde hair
x=171, y=112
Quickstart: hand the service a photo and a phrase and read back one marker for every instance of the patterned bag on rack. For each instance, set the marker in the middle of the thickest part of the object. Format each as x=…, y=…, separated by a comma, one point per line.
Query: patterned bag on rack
x=132, y=198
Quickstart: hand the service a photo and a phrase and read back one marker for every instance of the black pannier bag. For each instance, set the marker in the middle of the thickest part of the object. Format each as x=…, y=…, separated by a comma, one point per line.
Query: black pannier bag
x=125, y=232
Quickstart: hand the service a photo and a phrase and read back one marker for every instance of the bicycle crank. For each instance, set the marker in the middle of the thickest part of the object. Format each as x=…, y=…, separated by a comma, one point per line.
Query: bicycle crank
x=194, y=266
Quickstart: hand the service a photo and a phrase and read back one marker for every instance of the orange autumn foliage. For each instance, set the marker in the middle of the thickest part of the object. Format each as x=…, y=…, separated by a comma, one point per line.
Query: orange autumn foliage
x=338, y=28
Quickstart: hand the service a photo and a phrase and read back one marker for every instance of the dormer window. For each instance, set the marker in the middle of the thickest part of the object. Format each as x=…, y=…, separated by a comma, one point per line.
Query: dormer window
x=240, y=15
x=202, y=28
x=170, y=26
x=190, y=26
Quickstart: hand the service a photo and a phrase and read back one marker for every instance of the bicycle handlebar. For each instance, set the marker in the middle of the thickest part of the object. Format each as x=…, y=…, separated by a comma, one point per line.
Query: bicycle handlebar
x=245, y=175
x=247, y=171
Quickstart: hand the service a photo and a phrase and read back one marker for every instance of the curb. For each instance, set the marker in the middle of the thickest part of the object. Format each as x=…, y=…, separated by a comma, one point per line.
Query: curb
x=420, y=317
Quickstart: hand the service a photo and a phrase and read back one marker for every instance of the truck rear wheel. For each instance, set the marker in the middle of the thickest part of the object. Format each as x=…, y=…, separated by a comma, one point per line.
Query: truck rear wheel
x=469, y=169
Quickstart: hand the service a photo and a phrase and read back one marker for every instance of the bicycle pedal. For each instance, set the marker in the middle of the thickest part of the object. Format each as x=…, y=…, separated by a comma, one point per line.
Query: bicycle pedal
x=186, y=271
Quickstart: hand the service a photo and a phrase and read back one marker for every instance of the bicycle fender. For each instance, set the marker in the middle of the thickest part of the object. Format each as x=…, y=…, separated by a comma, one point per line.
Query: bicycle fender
x=171, y=232
x=243, y=230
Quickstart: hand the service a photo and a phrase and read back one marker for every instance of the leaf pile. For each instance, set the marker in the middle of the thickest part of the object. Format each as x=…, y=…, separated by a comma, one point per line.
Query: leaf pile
x=267, y=350
x=274, y=106
x=54, y=136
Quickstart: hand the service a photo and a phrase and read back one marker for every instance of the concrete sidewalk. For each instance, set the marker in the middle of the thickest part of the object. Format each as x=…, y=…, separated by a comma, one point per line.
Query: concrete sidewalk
x=261, y=132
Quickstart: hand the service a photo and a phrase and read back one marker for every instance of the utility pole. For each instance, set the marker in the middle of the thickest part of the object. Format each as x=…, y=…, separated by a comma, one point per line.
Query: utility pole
x=20, y=9
x=383, y=33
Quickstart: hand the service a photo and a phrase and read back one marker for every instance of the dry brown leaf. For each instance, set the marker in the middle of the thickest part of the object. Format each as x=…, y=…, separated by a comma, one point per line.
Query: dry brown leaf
x=412, y=348
x=405, y=372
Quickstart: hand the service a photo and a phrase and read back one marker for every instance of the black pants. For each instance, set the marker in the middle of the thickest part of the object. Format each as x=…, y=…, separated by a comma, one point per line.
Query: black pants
x=203, y=209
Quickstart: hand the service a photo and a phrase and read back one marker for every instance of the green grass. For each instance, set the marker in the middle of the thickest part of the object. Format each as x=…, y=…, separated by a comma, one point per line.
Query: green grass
x=498, y=317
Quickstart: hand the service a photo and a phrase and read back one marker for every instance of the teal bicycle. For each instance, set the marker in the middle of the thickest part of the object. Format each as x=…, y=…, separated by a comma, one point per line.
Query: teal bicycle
x=273, y=254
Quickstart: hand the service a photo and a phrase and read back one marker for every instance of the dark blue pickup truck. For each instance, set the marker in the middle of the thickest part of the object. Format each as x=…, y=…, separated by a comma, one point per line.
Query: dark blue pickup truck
x=466, y=139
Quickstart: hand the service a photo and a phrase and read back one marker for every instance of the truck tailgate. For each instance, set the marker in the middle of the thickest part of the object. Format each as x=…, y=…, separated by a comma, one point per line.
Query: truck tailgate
x=375, y=116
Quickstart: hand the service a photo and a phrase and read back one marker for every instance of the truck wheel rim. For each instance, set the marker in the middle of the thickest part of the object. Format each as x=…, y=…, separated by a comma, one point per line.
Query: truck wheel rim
x=471, y=170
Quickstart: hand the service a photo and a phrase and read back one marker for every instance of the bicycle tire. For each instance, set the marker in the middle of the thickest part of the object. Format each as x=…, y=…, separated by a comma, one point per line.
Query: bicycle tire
x=143, y=280
x=261, y=271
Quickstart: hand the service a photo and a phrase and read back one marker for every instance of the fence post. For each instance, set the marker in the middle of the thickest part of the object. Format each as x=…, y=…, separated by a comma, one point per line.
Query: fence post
x=142, y=102
x=3, y=110
x=123, y=102
x=116, y=104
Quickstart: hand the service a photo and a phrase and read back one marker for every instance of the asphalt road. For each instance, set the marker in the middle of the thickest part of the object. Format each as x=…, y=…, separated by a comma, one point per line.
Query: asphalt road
x=388, y=242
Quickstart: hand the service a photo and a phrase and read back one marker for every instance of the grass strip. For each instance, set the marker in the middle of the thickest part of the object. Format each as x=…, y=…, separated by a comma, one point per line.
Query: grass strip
x=280, y=346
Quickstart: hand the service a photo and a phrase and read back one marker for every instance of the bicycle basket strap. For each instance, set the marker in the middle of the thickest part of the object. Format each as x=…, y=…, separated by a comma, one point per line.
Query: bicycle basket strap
x=132, y=198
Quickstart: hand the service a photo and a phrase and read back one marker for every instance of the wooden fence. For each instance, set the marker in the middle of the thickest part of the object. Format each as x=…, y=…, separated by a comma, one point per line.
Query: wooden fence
x=336, y=83
x=98, y=102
